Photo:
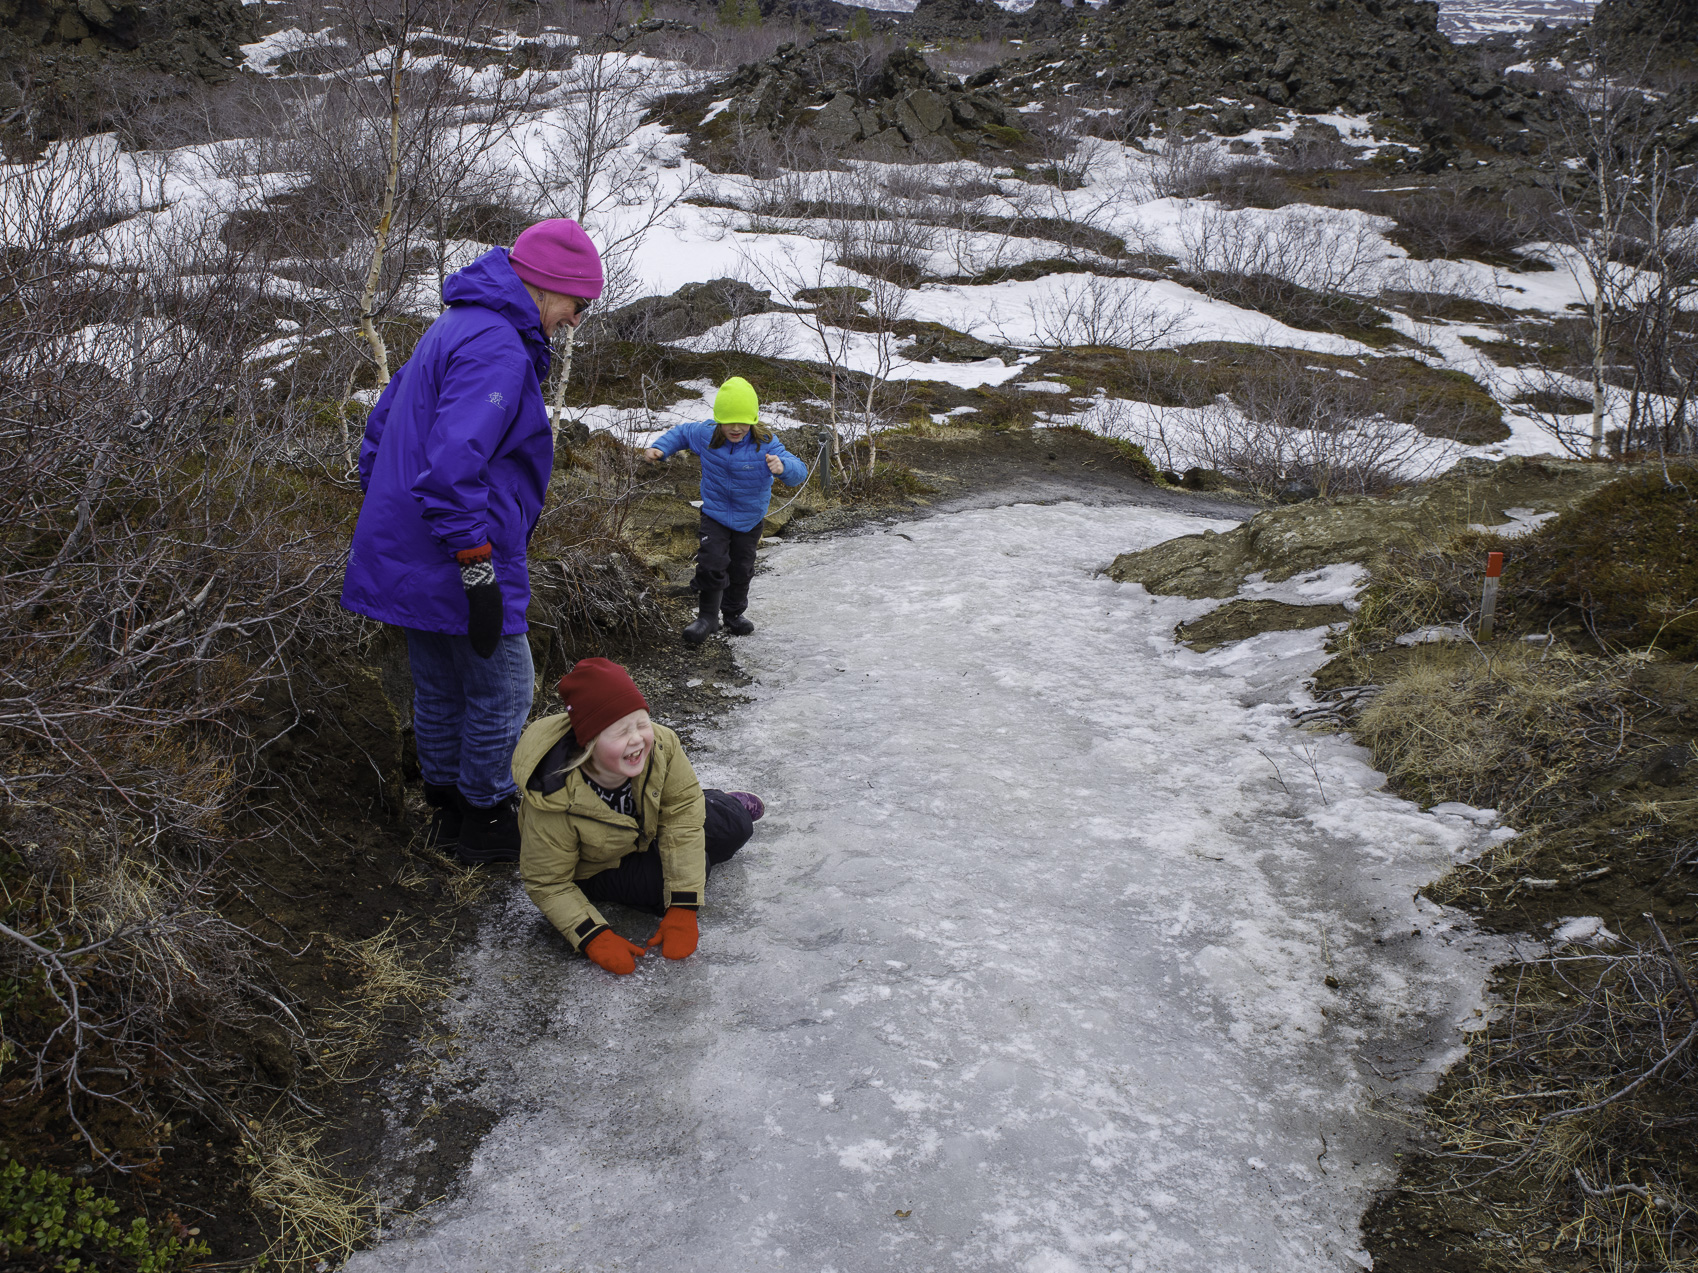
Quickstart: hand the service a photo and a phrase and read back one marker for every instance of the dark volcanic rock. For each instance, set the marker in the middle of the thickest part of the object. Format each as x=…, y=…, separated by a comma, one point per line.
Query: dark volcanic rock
x=1367, y=57
x=899, y=110
x=82, y=65
x=690, y=311
x=1663, y=32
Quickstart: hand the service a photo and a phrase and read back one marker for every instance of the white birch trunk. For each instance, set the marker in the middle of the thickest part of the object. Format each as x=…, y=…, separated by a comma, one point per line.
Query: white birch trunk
x=380, y=236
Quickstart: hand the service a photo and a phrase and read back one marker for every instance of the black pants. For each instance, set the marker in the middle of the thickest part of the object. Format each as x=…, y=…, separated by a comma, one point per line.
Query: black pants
x=636, y=882
x=725, y=562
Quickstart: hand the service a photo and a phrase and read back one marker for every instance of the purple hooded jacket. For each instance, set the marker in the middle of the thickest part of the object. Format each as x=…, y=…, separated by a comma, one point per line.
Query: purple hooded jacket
x=457, y=453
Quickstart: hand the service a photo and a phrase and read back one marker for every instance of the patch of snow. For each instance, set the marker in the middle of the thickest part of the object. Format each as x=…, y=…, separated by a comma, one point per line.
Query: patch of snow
x=1434, y=634
x=1522, y=521
x=1335, y=584
x=1456, y=809
x=1583, y=928
x=263, y=54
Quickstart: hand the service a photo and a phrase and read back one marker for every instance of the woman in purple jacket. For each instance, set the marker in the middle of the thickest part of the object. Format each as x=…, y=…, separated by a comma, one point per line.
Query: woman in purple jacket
x=456, y=459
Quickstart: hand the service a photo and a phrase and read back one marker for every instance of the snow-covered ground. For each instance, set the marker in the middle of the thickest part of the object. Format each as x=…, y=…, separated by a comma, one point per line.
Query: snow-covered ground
x=1468, y=20
x=1059, y=949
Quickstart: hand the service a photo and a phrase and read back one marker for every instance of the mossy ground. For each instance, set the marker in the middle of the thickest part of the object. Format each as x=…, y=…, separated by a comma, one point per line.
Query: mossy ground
x=1441, y=403
x=1586, y=741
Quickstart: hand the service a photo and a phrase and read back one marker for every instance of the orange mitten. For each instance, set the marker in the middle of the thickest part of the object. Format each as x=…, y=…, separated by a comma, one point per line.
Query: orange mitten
x=677, y=935
x=613, y=952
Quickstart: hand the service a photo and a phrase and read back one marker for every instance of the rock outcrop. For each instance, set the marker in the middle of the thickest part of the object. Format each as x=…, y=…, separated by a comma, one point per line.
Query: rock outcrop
x=1663, y=32
x=1283, y=542
x=690, y=311
x=897, y=111
x=91, y=64
x=1365, y=57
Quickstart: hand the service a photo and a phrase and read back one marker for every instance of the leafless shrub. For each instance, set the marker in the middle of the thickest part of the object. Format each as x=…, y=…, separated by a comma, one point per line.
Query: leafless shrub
x=1252, y=183
x=390, y=160
x=852, y=328
x=1118, y=115
x=1282, y=434
x=703, y=45
x=1452, y=219
x=1185, y=167
x=1324, y=252
x=1092, y=310
x=584, y=165
x=1337, y=452
x=160, y=570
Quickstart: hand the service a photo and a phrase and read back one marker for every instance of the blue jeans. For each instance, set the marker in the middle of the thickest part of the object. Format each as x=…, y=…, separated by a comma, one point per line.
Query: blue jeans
x=468, y=711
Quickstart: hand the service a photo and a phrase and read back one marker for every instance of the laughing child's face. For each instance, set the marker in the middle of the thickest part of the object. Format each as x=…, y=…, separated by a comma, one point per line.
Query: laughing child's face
x=734, y=433
x=622, y=749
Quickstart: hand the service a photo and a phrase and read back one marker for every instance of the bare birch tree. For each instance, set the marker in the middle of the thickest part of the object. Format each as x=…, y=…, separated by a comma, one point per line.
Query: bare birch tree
x=584, y=159
x=1615, y=200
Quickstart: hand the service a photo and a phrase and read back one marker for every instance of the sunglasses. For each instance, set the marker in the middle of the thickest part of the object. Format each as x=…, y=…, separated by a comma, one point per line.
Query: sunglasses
x=580, y=306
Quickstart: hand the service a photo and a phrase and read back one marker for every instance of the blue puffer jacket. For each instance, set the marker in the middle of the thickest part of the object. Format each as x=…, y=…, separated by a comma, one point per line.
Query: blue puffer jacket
x=457, y=453
x=736, y=483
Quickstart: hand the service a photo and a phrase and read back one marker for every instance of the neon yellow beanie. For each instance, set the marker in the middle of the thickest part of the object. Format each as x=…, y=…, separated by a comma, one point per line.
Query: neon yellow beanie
x=736, y=403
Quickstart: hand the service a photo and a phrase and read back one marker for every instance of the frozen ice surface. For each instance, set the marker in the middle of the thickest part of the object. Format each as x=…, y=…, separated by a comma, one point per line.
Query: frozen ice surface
x=1027, y=967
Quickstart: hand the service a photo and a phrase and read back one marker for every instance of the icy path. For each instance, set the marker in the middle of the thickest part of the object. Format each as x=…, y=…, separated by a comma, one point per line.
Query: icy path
x=1027, y=967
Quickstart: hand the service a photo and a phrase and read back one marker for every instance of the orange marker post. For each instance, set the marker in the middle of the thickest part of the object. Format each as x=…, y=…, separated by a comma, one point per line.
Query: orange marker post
x=1489, y=597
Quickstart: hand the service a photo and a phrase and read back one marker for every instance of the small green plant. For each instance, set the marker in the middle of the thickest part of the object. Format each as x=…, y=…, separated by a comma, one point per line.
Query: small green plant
x=860, y=26
x=65, y=1227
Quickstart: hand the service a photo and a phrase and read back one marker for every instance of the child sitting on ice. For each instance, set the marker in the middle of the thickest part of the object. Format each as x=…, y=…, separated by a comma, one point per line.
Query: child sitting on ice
x=739, y=461
x=611, y=811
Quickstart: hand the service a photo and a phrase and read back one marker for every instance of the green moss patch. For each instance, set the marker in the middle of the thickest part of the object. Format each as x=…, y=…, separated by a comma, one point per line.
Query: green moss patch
x=1275, y=384
x=1239, y=620
x=1628, y=556
x=1298, y=306
x=1442, y=307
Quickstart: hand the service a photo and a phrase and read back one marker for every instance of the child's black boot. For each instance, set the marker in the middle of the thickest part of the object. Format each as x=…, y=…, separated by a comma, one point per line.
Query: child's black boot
x=489, y=835
x=737, y=624
x=443, y=833
x=706, y=622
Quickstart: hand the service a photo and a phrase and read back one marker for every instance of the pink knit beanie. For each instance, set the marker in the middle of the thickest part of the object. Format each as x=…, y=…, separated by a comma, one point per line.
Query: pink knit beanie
x=557, y=256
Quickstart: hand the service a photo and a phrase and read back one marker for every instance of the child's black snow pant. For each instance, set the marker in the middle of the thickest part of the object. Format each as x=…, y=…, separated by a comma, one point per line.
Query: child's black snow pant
x=636, y=881
x=725, y=562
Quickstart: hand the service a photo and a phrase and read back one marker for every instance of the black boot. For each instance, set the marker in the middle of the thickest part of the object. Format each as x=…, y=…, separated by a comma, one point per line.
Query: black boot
x=443, y=833
x=490, y=834
x=737, y=625
x=707, y=621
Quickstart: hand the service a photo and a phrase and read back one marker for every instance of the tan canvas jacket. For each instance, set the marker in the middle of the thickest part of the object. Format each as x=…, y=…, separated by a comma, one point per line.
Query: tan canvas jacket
x=570, y=834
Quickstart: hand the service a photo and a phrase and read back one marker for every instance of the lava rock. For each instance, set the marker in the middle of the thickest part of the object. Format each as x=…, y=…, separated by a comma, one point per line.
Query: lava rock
x=905, y=112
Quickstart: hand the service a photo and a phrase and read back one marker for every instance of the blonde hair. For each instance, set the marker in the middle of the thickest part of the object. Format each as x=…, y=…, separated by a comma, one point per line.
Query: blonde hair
x=759, y=432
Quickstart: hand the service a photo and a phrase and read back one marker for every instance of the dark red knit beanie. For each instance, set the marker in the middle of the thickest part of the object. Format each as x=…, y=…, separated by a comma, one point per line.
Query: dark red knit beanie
x=598, y=692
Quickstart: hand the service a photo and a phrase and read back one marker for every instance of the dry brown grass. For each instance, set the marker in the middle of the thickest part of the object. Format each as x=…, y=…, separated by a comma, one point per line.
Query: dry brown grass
x=1505, y=729
x=391, y=975
x=1573, y=1098
x=320, y=1215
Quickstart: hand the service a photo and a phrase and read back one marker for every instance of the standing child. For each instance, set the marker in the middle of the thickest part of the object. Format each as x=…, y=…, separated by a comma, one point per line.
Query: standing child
x=739, y=461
